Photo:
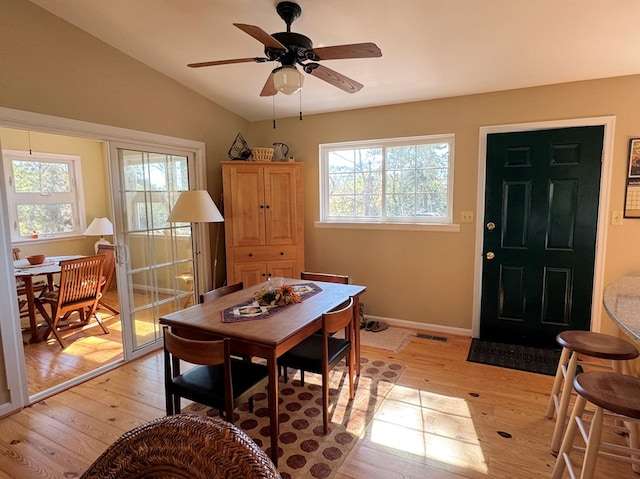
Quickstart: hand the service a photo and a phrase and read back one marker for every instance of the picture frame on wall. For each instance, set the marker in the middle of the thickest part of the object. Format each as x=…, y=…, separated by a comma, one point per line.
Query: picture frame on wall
x=632, y=192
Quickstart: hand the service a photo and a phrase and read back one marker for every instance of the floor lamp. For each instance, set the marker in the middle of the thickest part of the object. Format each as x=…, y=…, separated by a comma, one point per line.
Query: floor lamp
x=196, y=206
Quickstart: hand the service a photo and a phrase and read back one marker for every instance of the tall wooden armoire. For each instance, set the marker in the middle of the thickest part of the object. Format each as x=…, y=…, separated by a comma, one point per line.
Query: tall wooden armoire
x=264, y=220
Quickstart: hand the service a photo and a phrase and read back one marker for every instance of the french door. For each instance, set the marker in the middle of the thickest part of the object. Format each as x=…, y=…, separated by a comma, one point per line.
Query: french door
x=156, y=268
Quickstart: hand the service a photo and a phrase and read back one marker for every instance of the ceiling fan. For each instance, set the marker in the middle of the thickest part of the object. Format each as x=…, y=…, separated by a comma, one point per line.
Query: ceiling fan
x=291, y=49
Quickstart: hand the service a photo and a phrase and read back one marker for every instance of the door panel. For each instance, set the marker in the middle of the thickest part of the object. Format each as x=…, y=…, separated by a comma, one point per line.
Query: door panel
x=542, y=190
x=156, y=273
x=247, y=205
x=280, y=186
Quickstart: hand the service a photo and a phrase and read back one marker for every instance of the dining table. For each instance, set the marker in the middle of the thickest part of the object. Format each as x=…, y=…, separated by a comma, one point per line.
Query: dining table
x=271, y=335
x=25, y=272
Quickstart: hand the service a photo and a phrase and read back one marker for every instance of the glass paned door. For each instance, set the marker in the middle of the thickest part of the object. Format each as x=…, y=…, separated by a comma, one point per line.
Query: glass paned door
x=155, y=256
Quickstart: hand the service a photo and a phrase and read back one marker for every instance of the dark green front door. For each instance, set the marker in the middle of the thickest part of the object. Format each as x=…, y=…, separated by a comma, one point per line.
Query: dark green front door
x=541, y=211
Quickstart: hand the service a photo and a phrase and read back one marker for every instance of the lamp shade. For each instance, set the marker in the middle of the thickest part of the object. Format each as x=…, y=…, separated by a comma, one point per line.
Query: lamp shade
x=287, y=79
x=99, y=227
x=195, y=206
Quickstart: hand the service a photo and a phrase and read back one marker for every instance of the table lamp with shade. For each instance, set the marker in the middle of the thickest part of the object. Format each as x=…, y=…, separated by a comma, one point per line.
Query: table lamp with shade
x=197, y=206
x=99, y=227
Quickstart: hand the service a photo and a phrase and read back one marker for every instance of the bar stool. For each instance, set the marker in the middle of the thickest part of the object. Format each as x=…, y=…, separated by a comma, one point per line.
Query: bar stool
x=612, y=393
x=574, y=343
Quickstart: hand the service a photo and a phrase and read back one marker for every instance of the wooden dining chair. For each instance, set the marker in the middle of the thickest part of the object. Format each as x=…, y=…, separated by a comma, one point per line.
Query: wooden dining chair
x=108, y=250
x=79, y=291
x=319, y=353
x=327, y=277
x=217, y=379
x=219, y=292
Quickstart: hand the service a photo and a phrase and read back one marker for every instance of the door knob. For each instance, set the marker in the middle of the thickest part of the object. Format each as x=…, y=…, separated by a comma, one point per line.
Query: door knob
x=491, y=226
x=491, y=255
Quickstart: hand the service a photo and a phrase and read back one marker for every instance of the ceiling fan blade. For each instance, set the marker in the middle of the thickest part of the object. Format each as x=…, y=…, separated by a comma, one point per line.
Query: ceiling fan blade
x=226, y=62
x=355, y=50
x=260, y=35
x=336, y=79
x=268, y=89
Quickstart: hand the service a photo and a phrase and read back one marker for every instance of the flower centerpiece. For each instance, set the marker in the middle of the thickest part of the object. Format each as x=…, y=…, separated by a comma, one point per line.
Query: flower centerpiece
x=280, y=296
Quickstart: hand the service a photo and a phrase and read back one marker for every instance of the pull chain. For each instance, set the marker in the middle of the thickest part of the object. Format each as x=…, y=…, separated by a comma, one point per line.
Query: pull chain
x=29, y=139
x=273, y=99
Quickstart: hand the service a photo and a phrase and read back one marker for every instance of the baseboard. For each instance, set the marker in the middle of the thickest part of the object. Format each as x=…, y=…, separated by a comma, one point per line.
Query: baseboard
x=436, y=328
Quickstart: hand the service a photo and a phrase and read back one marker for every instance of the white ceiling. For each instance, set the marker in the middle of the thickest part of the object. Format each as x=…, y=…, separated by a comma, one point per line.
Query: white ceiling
x=430, y=48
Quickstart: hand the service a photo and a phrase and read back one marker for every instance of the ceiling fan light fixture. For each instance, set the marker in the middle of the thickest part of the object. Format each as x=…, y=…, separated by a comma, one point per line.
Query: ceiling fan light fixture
x=287, y=79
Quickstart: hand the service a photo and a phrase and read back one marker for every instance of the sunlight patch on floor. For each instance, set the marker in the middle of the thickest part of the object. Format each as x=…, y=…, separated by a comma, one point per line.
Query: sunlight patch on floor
x=414, y=422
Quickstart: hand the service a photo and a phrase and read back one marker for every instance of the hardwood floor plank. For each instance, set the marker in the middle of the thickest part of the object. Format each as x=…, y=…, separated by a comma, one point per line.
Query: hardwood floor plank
x=26, y=453
x=54, y=430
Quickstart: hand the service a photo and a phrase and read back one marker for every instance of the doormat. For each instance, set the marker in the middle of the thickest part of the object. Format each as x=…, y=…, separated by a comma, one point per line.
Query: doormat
x=513, y=356
x=305, y=451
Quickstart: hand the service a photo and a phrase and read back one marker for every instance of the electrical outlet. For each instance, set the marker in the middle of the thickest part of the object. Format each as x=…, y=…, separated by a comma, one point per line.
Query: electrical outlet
x=467, y=217
x=616, y=218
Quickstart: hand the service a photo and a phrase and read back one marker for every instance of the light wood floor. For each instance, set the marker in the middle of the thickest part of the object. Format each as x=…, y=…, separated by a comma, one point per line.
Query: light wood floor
x=87, y=349
x=446, y=418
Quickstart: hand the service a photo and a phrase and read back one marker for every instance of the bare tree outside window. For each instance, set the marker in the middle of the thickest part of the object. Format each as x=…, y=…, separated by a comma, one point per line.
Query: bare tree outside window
x=44, y=194
x=395, y=180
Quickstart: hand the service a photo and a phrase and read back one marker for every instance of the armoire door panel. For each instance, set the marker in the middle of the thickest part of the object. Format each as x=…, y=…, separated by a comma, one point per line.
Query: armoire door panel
x=246, y=207
x=280, y=186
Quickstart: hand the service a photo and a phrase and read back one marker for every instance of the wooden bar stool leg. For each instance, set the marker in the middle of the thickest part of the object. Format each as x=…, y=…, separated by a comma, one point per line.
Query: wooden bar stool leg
x=557, y=383
x=567, y=443
x=593, y=444
x=634, y=443
x=563, y=406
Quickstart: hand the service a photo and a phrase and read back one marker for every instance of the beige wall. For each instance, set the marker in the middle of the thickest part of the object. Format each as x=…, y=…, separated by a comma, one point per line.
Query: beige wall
x=428, y=276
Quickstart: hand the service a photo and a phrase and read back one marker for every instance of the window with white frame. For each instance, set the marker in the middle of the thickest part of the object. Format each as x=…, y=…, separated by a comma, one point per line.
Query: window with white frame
x=43, y=194
x=396, y=180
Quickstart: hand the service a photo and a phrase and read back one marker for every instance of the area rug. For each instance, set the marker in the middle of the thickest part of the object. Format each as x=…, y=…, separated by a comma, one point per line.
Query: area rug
x=305, y=451
x=391, y=339
x=513, y=356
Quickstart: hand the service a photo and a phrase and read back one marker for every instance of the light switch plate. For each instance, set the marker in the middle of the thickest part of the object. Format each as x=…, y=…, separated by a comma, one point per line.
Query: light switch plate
x=616, y=218
x=467, y=217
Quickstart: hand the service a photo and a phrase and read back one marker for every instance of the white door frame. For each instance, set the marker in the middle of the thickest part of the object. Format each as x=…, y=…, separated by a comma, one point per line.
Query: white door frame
x=12, y=351
x=603, y=206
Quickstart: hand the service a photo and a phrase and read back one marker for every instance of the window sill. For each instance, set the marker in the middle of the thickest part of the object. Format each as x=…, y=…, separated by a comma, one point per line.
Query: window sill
x=46, y=239
x=441, y=227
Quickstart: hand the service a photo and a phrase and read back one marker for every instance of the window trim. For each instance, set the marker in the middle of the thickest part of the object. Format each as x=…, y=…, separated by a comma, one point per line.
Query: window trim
x=77, y=192
x=441, y=223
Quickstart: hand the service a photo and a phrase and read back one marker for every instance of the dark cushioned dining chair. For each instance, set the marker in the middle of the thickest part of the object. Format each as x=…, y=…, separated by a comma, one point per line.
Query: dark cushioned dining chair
x=185, y=447
x=217, y=380
x=319, y=353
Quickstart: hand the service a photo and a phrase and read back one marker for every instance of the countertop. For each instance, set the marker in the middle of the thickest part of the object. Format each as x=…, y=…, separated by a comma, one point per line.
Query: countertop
x=622, y=302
